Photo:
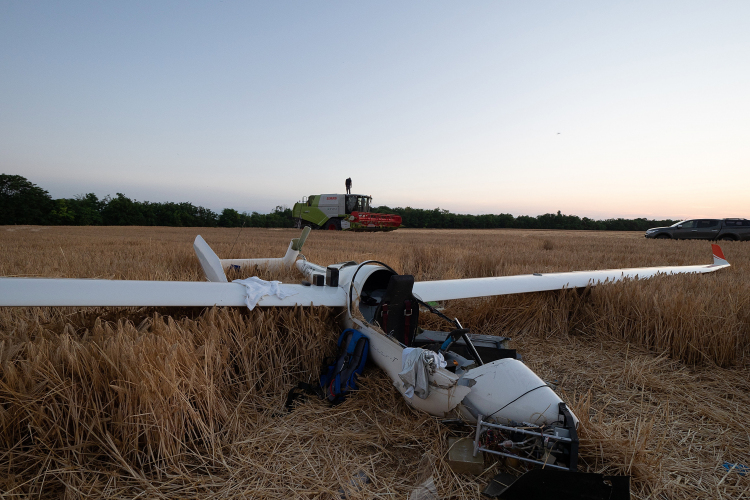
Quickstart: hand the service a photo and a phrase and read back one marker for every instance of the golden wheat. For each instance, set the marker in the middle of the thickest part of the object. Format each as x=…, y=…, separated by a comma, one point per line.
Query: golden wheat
x=188, y=402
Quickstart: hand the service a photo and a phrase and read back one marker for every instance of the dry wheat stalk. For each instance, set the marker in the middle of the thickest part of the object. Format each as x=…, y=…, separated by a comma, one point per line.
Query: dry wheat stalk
x=179, y=403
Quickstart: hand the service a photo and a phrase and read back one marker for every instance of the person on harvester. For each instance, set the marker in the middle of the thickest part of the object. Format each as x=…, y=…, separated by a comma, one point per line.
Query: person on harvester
x=348, y=185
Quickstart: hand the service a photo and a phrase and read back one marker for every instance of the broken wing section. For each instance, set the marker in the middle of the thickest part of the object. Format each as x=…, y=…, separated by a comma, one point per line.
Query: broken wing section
x=127, y=293
x=541, y=282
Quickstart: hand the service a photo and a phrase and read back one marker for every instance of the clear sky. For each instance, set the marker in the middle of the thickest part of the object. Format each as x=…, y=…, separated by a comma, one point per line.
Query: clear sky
x=598, y=109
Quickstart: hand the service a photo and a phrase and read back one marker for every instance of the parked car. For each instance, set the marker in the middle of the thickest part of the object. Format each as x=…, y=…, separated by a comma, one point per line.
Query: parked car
x=704, y=229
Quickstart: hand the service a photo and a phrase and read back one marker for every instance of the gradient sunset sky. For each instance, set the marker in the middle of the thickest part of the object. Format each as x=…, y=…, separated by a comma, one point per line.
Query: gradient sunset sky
x=598, y=109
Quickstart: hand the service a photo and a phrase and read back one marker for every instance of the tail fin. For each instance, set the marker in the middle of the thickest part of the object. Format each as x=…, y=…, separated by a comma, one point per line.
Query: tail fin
x=719, y=259
x=210, y=262
x=295, y=246
x=298, y=242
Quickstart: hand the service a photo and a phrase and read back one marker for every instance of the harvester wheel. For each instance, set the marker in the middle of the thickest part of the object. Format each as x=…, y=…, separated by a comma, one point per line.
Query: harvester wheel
x=333, y=225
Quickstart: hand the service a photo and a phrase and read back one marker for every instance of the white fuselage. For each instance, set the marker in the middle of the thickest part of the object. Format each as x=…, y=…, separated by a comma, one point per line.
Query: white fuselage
x=505, y=390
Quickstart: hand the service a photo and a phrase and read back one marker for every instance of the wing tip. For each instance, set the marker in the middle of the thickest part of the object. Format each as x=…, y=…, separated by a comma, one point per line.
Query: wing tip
x=719, y=259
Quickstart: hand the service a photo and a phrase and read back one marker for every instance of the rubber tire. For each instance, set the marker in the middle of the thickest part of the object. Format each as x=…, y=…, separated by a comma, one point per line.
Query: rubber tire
x=727, y=237
x=333, y=225
x=663, y=236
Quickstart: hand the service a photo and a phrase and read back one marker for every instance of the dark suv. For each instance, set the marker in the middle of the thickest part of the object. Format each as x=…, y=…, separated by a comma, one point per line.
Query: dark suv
x=704, y=229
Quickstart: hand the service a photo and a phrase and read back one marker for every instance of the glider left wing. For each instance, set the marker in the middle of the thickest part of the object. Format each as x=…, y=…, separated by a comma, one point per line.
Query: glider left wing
x=130, y=293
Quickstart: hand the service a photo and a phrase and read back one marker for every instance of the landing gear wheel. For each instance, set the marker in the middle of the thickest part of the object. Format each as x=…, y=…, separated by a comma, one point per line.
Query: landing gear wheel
x=333, y=225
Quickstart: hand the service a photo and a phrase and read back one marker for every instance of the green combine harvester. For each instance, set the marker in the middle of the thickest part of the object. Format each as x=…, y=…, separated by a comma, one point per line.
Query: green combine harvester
x=337, y=212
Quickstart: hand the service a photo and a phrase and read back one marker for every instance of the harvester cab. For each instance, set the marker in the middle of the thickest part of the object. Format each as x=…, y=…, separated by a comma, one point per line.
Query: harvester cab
x=347, y=212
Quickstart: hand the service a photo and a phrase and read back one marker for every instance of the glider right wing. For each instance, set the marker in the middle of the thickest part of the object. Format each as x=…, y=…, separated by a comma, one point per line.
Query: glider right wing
x=540, y=282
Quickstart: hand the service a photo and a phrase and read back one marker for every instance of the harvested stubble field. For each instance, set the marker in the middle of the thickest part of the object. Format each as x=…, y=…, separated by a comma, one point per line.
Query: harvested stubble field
x=180, y=403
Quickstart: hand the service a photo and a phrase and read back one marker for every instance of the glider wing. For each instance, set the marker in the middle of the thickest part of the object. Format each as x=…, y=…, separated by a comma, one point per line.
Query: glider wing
x=127, y=293
x=540, y=282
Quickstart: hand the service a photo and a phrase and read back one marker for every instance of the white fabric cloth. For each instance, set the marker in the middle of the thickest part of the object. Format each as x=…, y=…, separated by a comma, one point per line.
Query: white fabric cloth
x=257, y=288
x=417, y=365
x=440, y=361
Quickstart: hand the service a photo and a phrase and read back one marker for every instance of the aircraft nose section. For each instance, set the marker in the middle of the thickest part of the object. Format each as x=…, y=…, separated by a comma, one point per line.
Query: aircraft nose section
x=507, y=390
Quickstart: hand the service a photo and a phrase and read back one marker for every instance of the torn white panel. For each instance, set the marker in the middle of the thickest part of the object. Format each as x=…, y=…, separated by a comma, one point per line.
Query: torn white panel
x=257, y=288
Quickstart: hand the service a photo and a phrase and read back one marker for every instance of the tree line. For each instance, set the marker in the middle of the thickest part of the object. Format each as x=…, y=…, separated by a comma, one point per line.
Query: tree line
x=439, y=218
x=22, y=202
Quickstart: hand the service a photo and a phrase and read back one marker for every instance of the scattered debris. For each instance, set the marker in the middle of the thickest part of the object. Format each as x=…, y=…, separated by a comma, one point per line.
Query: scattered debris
x=358, y=481
x=427, y=489
x=738, y=468
x=461, y=457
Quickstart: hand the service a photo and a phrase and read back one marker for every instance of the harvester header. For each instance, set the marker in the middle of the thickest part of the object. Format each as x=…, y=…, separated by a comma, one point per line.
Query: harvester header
x=348, y=212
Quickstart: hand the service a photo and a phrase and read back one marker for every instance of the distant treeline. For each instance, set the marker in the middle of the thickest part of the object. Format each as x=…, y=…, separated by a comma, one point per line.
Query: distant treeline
x=22, y=202
x=438, y=218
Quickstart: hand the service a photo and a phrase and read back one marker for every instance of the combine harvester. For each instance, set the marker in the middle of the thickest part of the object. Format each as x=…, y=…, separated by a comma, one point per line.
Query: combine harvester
x=346, y=212
x=482, y=383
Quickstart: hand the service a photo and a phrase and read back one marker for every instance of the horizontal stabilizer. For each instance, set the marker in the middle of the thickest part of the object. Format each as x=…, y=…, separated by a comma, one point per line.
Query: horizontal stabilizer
x=275, y=263
x=506, y=285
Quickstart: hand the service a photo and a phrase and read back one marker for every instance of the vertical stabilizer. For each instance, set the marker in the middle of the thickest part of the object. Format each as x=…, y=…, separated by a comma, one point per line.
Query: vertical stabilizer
x=210, y=262
x=294, y=248
x=298, y=242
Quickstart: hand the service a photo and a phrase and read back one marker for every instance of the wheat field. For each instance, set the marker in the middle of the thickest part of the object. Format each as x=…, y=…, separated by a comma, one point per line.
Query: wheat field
x=189, y=402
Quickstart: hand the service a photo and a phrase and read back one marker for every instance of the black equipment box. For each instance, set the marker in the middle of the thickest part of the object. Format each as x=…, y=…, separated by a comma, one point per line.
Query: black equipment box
x=489, y=347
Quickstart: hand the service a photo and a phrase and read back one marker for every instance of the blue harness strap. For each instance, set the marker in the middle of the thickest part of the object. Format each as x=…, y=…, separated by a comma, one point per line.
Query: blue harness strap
x=340, y=378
